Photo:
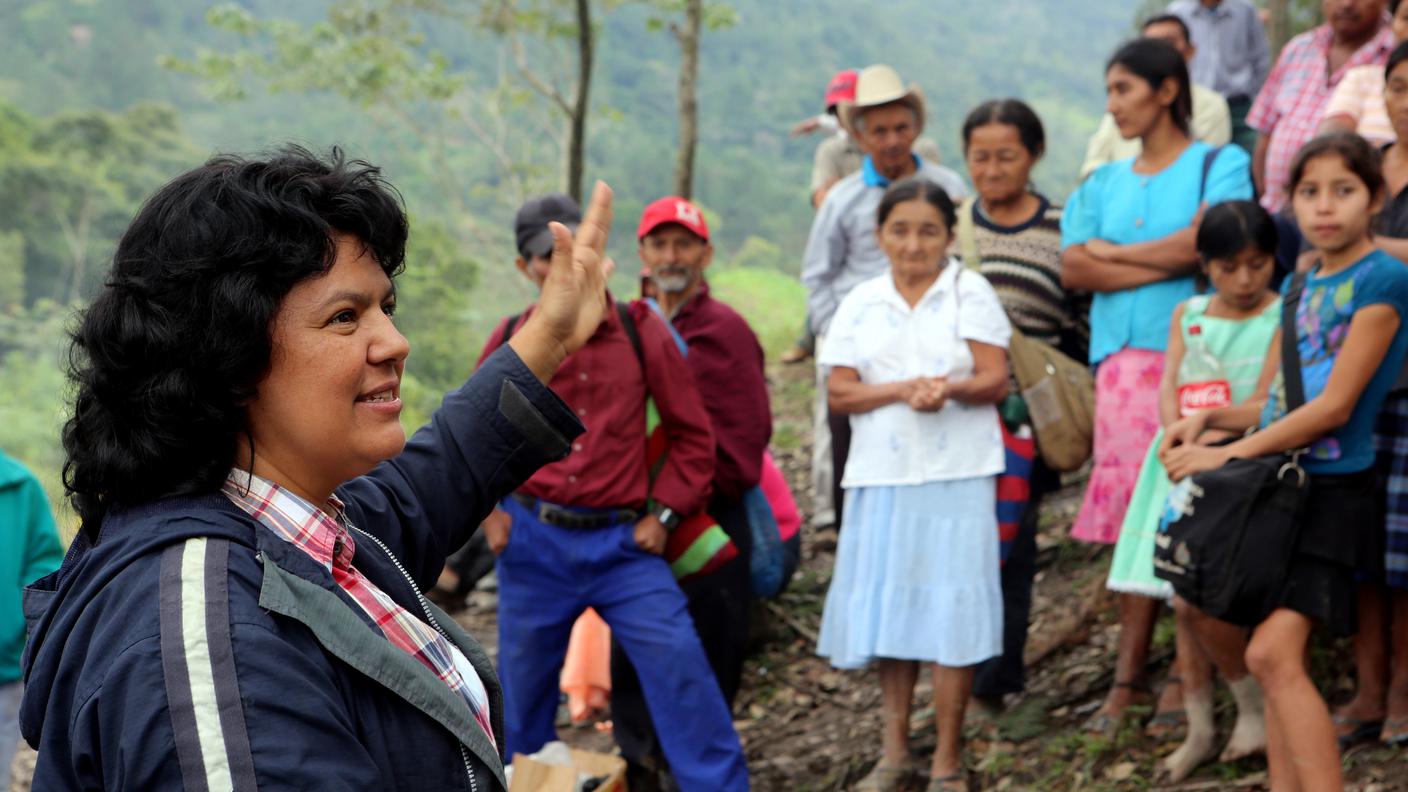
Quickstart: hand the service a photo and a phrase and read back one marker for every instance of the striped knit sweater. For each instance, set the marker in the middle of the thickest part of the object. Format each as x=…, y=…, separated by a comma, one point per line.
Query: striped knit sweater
x=1023, y=264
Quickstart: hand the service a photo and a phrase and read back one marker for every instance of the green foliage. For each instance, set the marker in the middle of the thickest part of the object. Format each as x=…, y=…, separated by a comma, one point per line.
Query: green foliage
x=69, y=183
x=11, y=269
x=32, y=344
x=433, y=295
x=757, y=253
x=772, y=302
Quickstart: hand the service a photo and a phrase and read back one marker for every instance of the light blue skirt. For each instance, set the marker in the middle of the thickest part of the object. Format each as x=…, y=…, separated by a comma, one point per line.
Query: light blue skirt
x=917, y=576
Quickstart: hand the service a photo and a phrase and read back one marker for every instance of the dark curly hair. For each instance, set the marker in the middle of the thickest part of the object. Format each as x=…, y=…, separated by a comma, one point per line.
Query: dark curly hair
x=172, y=347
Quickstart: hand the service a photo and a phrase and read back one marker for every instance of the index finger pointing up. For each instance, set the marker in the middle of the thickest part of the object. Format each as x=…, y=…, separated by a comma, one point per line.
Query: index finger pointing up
x=596, y=225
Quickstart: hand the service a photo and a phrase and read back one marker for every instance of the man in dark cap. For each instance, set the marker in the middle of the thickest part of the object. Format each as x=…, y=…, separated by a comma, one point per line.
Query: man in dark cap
x=590, y=531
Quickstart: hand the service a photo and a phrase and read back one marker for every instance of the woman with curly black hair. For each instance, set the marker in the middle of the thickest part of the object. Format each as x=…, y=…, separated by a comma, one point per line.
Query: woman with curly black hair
x=241, y=607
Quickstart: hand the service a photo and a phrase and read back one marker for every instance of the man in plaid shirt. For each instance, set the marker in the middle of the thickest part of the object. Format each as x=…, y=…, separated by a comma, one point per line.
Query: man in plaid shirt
x=1290, y=105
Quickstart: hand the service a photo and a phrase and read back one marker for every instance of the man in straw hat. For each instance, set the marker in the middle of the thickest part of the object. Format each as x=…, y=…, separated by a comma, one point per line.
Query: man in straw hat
x=886, y=118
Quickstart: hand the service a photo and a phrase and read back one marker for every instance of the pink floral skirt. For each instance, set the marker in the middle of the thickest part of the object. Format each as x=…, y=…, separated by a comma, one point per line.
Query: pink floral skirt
x=1126, y=419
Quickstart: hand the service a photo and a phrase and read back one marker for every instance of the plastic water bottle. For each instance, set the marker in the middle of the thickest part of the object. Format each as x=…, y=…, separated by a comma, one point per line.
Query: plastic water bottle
x=1202, y=384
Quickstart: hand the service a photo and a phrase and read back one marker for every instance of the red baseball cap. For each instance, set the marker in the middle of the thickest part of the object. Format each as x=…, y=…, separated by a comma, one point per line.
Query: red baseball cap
x=842, y=88
x=672, y=209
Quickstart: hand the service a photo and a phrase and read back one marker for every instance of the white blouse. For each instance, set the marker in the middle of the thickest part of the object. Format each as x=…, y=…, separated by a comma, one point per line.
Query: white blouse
x=876, y=333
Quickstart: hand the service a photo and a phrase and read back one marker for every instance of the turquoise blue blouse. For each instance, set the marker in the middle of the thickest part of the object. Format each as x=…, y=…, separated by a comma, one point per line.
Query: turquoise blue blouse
x=1121, y=206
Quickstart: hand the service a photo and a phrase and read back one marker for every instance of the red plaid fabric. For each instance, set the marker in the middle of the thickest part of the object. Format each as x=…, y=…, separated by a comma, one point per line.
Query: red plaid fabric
x=328, y=541
x=1292, y=103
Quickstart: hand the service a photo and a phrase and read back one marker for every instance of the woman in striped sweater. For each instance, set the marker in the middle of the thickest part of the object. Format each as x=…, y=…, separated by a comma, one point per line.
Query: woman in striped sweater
x=1017, y=236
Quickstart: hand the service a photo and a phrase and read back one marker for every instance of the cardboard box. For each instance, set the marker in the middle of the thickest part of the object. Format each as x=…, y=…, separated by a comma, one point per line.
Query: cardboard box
x=531, y=775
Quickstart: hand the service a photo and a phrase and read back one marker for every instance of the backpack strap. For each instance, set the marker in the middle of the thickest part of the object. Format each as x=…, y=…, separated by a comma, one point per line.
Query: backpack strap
x=1208, y=160
x=508, y=329
x=623, y=311
x=651, y=303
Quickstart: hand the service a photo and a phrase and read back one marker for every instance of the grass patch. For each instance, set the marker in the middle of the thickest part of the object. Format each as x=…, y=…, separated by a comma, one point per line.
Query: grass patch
x=773, y=302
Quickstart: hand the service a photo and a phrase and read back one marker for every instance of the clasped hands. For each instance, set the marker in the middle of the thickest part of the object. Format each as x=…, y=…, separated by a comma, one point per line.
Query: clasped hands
x=924, y=394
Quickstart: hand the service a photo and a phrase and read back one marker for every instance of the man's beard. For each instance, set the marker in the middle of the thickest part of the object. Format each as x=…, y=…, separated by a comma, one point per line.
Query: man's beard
x=672, y=280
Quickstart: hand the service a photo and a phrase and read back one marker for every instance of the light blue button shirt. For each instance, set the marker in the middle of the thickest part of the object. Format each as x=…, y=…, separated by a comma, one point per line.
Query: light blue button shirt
x=1120, y=206
x=842, y=250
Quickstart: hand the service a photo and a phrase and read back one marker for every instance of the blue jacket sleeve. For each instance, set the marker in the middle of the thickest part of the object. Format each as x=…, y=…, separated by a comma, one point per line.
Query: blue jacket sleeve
x=486, y=439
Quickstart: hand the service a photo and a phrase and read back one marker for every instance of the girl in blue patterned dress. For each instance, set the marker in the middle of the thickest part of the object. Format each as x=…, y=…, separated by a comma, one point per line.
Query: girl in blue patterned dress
x=1351, y=341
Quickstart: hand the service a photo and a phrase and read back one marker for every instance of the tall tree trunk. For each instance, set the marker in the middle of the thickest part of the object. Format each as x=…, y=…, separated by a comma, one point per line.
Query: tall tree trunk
x=688, y=96
x=577, y=134
x=1278, y=25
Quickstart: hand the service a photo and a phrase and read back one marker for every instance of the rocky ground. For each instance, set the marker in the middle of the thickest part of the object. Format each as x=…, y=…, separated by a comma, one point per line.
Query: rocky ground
x=809, y=727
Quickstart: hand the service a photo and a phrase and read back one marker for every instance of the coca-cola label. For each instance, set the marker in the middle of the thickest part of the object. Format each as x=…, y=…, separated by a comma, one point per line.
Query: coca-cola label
x=1198, y=396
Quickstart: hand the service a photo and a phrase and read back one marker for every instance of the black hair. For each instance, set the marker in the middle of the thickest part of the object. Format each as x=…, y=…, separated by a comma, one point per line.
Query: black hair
x=1359, y=156
x=1231, y=227
x=912, y=188
x=1013, y=112
x=1393, y=7
x=170, y=351
x=1169, y=19
x=1154, y=61
x=1399, y=54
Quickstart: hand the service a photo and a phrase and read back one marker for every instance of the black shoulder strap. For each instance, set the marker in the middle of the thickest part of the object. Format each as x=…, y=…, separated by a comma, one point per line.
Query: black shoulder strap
x=1208, y=160
x=632, y=332
x=508, y=328
x=1290, y=347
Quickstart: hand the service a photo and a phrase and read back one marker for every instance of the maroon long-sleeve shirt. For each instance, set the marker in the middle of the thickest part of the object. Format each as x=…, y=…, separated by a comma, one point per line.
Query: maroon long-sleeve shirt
x=604, y=384
x=727, y=362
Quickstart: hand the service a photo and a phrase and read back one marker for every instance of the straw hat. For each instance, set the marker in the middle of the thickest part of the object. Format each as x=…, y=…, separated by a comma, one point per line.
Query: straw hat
x=881, y=85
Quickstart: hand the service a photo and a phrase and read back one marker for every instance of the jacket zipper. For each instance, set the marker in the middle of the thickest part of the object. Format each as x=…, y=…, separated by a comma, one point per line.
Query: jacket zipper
x=464, y=755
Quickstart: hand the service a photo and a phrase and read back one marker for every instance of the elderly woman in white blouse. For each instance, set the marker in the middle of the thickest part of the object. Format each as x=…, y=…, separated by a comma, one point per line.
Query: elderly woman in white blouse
x=918, y=359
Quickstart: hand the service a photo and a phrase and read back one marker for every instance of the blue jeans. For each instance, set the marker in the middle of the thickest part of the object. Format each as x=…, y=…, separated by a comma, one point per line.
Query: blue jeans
x=548, y=576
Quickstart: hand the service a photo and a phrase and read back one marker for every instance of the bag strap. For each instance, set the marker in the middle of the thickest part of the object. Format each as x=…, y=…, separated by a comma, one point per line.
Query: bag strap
x=653, y=305
x=968, y=234
x=1290, y=349
x=632, y=332
x=508, y=329
x=1208, y=160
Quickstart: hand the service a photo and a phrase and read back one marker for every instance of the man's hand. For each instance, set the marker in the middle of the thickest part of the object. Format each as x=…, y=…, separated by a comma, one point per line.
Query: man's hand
x=496, y=529
x=651, y=535
x=574, y=298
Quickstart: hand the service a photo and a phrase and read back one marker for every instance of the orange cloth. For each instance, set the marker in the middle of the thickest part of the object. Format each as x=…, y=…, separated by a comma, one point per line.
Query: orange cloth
x=586, y=671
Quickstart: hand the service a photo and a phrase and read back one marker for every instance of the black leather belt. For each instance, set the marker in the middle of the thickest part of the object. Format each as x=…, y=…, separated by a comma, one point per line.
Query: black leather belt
x=584, y=519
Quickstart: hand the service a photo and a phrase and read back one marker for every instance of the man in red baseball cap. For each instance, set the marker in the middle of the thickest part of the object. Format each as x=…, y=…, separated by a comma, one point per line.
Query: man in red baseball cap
x=727, y=362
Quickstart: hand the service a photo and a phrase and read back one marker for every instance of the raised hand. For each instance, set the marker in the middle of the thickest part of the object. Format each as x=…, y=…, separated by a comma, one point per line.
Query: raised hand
x=573, y=300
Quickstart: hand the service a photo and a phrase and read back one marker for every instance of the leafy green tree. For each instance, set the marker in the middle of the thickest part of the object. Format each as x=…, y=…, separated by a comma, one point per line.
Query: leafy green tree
x=70, y=182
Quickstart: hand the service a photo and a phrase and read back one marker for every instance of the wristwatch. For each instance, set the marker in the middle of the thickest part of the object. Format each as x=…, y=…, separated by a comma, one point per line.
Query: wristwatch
x=668, y=517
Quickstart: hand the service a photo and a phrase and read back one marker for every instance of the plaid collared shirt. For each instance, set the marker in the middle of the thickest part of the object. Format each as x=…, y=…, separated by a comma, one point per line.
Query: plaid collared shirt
x=1292, y=102
x=329, y=542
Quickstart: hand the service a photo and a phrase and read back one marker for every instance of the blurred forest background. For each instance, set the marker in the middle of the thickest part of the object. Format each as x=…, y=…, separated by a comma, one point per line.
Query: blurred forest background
x=470, y=107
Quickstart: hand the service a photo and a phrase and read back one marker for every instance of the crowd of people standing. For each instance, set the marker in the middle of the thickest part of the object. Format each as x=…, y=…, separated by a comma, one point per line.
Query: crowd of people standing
x=1213, y=177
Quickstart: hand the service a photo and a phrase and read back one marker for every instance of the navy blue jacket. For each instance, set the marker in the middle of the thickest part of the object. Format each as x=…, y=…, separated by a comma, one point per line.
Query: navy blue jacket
x=191, y=648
